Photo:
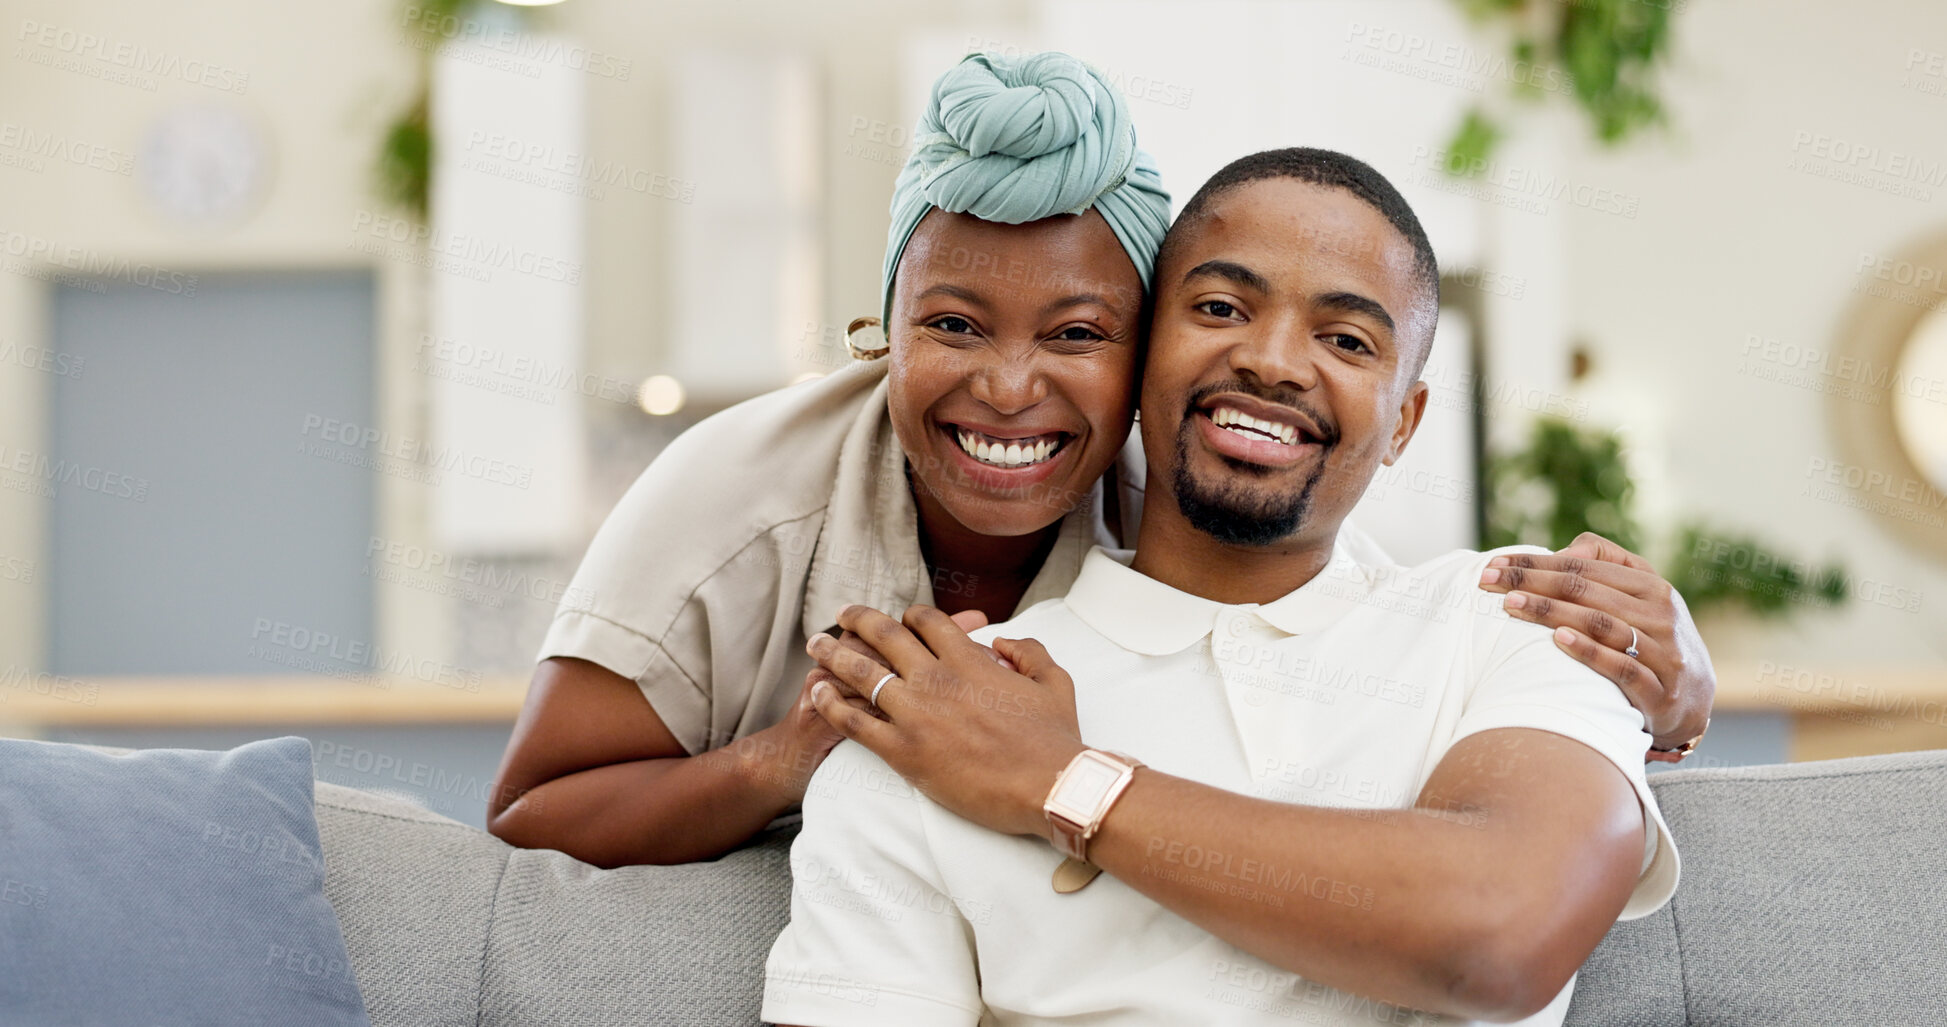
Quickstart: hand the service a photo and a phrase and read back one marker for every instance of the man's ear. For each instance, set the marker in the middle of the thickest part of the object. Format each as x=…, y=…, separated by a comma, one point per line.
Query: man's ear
x=1411, y=409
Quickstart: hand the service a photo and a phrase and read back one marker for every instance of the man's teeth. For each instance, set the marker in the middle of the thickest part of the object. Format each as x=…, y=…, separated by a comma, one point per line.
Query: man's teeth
x=1240, y=423
x=1006, y=453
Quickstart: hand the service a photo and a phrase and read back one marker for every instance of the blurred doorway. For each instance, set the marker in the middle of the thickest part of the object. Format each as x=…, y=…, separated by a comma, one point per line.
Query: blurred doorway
x=202, y=523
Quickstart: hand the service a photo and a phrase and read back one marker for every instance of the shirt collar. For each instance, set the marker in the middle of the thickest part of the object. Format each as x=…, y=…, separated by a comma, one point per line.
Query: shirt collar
x=1145, y=616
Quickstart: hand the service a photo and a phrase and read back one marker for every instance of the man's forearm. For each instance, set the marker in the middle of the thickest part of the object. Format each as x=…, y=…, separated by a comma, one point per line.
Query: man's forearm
x=660, y=811
x=1442, y=911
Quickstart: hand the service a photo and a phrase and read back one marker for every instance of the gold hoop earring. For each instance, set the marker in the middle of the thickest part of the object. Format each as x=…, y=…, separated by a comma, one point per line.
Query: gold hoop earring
x=861, y=352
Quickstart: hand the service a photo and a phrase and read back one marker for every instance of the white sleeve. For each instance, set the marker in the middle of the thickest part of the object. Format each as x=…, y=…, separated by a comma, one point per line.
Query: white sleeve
x=1525, y=681
x=874, y=937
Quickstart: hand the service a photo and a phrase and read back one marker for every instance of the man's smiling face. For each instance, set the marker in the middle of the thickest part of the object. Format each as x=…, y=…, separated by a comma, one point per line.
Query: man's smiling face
x=1284, y=358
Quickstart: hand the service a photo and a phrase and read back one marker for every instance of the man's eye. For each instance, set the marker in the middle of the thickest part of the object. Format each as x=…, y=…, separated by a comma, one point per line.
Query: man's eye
x=952, y=325
x=1348, y=343
x=1218, y=308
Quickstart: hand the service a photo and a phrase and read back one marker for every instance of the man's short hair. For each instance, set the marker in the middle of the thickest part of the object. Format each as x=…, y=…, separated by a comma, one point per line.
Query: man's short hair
x=1327, y=168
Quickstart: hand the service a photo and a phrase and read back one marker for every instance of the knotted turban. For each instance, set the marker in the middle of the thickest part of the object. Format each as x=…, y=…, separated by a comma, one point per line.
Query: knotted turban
x=1015, y=139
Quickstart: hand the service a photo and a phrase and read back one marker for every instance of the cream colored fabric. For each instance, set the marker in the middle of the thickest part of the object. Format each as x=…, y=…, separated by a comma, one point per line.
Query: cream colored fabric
x=748, y=534
x=1347, y=692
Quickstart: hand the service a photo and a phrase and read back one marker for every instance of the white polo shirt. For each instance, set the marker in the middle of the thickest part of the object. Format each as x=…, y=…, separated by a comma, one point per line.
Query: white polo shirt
x=1347, y=692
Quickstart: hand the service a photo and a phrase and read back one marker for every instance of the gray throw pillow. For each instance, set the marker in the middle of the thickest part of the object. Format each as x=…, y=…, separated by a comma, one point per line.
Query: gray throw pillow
x=166, y=886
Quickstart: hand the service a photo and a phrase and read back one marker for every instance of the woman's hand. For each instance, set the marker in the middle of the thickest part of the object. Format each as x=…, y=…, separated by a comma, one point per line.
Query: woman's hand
x=1594, y=593
x=977, y=737
x=809, y=737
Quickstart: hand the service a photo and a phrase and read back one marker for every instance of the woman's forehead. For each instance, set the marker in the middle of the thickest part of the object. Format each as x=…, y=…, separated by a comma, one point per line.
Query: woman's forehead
x=1064, y=254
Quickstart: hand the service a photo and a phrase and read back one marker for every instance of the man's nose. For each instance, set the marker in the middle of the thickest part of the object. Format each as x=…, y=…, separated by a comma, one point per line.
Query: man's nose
x=1278, y=353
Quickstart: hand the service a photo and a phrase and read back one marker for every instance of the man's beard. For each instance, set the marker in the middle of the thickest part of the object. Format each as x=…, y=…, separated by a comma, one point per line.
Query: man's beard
x=1230, y=513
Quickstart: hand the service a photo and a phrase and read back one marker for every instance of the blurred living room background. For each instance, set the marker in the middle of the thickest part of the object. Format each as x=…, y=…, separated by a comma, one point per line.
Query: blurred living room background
x=329, y=335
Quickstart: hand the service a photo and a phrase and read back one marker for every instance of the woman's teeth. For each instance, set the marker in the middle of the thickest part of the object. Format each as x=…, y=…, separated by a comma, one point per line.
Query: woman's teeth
x=1007, y=452
x=1240, y=423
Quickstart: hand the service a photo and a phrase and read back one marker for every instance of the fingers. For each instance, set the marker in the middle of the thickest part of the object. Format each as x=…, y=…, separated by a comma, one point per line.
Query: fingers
x=1637, y=681
x=1509, y=571
x=901, y=650
x=853, y=642
x=852, y=673
x=1030, y=659
x=1592, y=546
x=970, y=620
x=942, y=635
x=851, y=720
x=1597, y=624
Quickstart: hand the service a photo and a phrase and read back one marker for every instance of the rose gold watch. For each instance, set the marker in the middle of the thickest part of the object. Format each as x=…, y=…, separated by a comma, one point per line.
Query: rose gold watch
x=1082, y=795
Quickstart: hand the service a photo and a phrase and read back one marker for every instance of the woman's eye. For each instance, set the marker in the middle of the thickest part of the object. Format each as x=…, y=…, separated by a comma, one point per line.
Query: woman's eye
x=1079, y=333
x=1218, y=308
x=953, y=325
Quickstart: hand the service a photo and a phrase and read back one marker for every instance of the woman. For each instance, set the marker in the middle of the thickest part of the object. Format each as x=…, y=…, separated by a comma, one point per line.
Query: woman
x=971, y=469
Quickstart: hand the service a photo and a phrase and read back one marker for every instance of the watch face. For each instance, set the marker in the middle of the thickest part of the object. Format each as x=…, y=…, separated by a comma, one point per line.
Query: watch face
x=1085, y=784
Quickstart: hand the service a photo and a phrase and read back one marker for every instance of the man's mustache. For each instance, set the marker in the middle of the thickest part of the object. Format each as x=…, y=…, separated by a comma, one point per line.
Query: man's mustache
x=1326, y=430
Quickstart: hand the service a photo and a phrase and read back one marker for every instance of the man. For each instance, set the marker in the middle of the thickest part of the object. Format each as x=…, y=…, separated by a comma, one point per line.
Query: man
x=1366, y=796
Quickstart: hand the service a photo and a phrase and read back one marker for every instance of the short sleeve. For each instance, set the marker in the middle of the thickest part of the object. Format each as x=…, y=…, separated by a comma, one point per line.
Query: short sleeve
x=874, y=937
x=1525, y=681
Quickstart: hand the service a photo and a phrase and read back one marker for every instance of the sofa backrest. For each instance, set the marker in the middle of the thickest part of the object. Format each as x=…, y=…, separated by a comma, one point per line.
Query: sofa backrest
x=1812, y=893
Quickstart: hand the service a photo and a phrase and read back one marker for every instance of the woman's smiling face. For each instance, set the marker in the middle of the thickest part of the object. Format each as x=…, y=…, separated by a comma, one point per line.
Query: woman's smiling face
x=1015, y=352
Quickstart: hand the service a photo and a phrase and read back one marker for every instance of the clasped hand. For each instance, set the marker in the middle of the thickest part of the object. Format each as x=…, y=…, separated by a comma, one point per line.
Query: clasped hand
x=983, y=732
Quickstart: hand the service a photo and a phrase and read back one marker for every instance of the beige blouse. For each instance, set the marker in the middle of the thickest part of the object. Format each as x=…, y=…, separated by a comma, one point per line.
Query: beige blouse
x=751, y=531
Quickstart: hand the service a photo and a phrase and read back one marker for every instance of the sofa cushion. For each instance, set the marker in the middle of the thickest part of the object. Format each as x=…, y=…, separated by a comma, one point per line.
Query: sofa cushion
x=415, y=893
x=166, y=886
x=1813, y=893
x=575, y=946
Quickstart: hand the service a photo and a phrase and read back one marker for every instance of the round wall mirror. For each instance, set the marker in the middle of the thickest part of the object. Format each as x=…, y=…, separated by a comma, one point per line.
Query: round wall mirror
x=1888, y=401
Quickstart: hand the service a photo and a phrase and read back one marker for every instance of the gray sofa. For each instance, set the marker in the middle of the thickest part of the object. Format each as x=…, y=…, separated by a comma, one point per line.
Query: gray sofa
x=1813, y=893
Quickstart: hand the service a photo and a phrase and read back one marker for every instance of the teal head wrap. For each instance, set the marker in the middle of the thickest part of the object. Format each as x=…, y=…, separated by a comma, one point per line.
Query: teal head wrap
x=1015, y=139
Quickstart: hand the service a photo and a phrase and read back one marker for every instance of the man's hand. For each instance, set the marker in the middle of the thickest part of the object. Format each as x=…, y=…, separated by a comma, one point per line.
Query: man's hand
x=1593, y=593
x=975, y=736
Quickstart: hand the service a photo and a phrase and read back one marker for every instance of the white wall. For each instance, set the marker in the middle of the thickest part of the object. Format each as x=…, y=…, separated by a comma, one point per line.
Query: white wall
x=1732, y=242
